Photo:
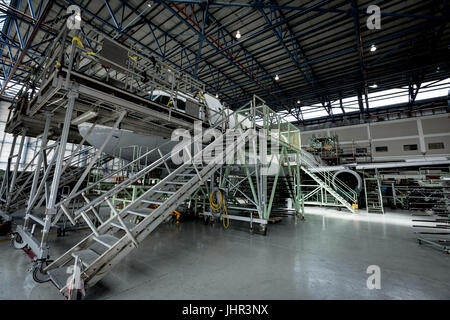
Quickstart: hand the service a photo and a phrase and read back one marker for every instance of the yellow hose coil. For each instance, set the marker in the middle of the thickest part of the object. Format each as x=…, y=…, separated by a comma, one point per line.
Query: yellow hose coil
x=217, y=207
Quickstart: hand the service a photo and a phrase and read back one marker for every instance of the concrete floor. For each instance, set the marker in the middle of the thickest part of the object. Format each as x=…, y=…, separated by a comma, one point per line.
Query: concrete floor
x=324, y=257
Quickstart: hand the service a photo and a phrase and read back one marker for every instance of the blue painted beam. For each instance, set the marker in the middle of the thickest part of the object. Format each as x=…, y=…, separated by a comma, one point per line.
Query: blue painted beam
x=112, y=15
x=223, y=52
x=294, y=60
x=257, y=5
x=260, y=32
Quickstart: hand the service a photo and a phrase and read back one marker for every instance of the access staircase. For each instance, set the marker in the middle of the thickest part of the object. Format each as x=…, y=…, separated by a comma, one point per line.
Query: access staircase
x=345, y=196
x=114, y=238
x=285, y=136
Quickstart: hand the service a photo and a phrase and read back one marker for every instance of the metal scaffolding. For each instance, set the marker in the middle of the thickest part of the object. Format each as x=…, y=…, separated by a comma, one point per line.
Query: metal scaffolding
x=61, y=94
x=253, y=150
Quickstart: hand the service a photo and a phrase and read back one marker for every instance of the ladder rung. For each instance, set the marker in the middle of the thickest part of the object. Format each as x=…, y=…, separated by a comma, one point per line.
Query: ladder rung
x=106, y=239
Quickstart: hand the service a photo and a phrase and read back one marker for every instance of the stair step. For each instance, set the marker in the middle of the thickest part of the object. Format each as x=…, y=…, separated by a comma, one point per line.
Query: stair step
x=59, y=277
x=165, y=192
x=87, y=256
x=141, y=212
x=106, y=239
x=153, y=202
x=130, y=226
x=180, y=183
x=186, y=174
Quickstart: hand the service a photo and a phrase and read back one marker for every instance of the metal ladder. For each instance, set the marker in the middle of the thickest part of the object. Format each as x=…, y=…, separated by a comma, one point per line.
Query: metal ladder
x=339, y=190
x=116, y=237
x=374, y=198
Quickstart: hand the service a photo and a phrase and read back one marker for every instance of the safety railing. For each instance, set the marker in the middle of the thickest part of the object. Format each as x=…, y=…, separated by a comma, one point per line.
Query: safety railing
x=162, y=161
x=344, y=190
x=285, y=133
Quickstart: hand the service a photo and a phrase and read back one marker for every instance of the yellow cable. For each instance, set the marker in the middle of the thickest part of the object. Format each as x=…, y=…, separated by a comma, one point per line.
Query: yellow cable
x=79, y=43
x=217, y=207
x=201, y=95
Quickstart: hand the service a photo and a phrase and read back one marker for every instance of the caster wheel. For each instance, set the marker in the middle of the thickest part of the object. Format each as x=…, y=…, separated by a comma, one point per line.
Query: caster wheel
x=79, y=296
x=17, y=241
x=263, y=229
x=38, y=274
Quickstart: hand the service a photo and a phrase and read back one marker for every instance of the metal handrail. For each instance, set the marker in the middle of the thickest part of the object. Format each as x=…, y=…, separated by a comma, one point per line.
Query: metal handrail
x=338, y=184
x=131, y=179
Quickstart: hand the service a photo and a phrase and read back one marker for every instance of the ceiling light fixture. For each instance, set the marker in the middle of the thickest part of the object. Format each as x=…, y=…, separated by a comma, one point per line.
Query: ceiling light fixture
x=277, y=78
x=238, y=34
x=217, y=96
x=298, y=102
x=373, y=48
x=374, y=86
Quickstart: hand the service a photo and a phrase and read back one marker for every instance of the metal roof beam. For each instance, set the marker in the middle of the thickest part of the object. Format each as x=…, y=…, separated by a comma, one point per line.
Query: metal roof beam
x=225, y=53
x=247, y=54
x=360, y=48
x=351, y=49
x=256, y=5
x=28, y=44
x=310, y=80
x=111, y=13
x=256, y=34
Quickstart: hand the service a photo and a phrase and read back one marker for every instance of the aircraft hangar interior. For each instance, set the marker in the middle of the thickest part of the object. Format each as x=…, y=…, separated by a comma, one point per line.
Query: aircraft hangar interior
x=224, y=150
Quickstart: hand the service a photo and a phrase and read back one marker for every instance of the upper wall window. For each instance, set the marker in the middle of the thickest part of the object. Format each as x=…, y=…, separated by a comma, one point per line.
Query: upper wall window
x=381, y=149
x=410, y=147
x=435, y=146
x=361, y=150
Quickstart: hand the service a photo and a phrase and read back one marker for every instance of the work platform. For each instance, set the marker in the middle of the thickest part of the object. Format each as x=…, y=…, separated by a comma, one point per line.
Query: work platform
x=142, y=115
